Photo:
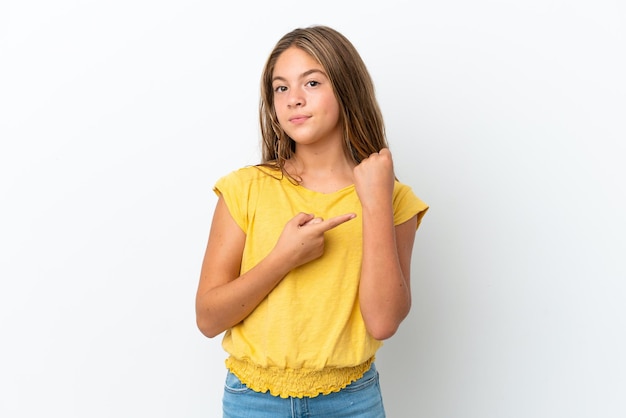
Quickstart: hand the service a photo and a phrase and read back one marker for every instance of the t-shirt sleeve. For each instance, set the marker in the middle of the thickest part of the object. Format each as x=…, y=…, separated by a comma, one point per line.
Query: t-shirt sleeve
x=406, y=205
x=233, y=189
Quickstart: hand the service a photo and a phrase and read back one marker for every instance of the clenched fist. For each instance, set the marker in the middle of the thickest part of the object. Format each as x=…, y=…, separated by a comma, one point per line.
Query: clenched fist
x=374, y=179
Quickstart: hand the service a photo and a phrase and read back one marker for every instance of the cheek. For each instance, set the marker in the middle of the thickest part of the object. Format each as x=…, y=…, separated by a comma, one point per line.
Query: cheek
x=278, y=109
x=332, y=110
x=330, y=104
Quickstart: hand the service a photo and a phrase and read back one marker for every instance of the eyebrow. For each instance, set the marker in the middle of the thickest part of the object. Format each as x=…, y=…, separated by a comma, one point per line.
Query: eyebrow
x=303, y=75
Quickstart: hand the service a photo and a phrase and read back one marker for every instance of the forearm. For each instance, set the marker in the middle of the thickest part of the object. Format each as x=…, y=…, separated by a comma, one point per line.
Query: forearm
x=384, y=292
x=224, y=306
x=224, y=297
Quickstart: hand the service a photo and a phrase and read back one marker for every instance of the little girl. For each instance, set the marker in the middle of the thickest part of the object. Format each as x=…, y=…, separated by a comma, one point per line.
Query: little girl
x=308, y=260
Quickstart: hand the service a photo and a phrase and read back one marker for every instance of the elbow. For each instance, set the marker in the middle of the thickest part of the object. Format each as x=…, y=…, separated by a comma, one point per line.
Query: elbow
x=383, y=327
x=209, y=324
x=382, y=332
x=208, y=328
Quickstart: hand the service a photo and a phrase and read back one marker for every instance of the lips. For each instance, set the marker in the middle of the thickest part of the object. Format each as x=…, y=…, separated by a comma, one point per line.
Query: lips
x=297, y=119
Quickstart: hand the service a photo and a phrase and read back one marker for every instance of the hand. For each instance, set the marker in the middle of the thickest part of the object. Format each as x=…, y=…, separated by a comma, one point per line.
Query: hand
x=302, y=239
x=374, y=179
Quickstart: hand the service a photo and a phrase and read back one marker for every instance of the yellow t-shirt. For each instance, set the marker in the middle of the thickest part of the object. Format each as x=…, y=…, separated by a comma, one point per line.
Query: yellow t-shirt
x=307, y=337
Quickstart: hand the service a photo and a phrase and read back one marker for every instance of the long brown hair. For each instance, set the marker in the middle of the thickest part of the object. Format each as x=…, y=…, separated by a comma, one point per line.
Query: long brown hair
x=363, y=127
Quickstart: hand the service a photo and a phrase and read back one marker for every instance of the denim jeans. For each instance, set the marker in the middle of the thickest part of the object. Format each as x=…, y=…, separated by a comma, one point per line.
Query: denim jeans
x=360, y=399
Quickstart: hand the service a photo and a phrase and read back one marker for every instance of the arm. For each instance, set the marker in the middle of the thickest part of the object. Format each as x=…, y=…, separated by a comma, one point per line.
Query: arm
x=384, y=291
x=224, y=297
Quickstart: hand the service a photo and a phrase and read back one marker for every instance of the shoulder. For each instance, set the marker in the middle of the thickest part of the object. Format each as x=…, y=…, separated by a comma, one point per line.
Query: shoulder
x=248, y=176
x=251, y=172
x=402, y=191
x=242, y=188
x=406, y=203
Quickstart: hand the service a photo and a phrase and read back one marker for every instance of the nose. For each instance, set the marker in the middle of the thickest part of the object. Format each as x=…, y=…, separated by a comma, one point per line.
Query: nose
x=296, y=98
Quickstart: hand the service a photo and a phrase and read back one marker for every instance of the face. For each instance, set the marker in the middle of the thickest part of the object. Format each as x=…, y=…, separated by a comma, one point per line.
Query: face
x=304, y=100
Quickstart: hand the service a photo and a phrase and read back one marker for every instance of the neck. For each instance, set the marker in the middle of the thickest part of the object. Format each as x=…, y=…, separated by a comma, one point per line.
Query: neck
x=320, y=158
x=324, y=170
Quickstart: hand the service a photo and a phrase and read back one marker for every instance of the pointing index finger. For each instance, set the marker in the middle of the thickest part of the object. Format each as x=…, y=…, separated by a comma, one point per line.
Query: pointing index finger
x=336, y=221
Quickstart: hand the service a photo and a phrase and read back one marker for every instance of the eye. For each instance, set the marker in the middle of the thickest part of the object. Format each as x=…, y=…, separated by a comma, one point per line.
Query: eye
x=280, y=89
x=313, y=83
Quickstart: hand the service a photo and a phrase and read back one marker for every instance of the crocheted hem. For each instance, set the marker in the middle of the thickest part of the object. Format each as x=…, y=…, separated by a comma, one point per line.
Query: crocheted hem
x=296, y=383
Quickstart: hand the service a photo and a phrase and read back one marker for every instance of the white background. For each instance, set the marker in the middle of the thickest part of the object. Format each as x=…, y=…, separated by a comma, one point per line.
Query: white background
x=506, y=117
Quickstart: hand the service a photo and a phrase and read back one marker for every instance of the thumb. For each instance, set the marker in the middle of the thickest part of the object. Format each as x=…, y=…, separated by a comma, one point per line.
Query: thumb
x=302, y=218
x=314, y=221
